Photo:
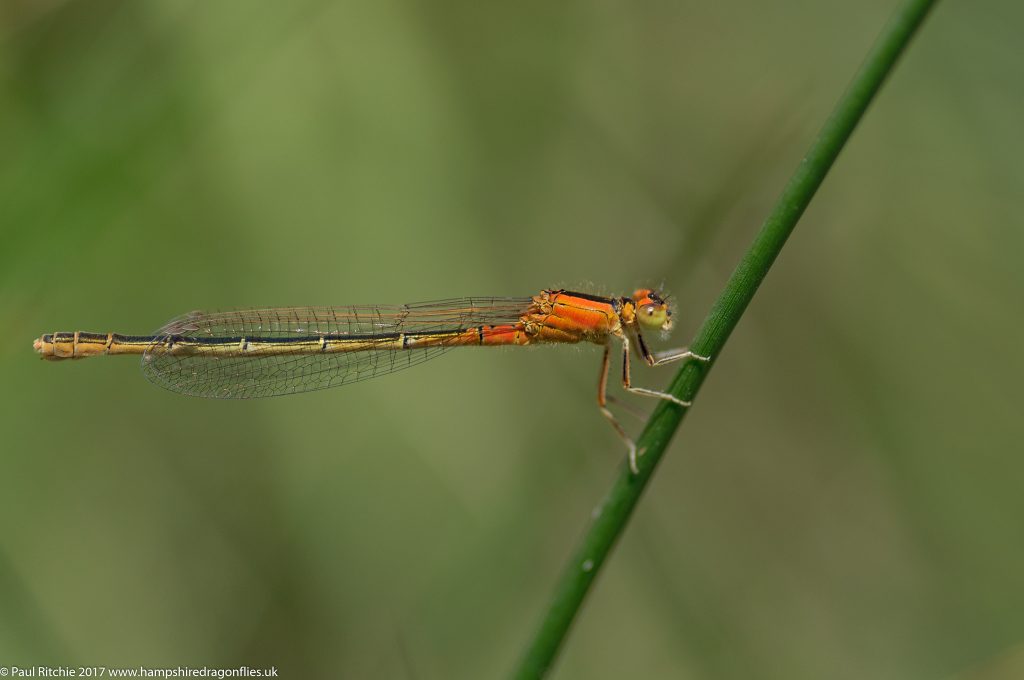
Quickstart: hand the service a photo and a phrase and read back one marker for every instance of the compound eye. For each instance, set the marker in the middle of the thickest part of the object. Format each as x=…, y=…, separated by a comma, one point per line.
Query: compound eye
x=652, y=315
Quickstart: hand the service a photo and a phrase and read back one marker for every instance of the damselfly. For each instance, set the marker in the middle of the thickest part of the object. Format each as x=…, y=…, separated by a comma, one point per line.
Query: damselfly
x=267, y=352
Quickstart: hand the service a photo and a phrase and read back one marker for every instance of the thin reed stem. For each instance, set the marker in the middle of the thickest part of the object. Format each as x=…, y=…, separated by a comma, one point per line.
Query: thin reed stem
x=585, y=564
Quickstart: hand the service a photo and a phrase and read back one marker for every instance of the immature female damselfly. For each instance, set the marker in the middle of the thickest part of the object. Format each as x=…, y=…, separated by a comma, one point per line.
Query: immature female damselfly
x=268, y=352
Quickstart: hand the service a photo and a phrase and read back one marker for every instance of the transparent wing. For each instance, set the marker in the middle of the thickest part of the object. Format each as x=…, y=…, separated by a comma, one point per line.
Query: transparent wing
x=216, y=363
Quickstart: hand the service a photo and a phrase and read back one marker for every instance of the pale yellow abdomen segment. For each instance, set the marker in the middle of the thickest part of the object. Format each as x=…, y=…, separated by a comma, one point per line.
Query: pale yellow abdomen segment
x=79, y=345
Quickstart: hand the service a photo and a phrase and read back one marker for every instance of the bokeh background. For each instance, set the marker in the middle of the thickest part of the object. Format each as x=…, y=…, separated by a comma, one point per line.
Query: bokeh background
x=845, y=501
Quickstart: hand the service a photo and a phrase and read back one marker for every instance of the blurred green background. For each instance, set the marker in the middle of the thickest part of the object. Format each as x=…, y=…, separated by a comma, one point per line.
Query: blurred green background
x=845, y=500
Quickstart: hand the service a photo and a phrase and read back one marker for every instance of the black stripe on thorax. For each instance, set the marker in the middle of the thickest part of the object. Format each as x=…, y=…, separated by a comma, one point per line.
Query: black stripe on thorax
x=588, y=296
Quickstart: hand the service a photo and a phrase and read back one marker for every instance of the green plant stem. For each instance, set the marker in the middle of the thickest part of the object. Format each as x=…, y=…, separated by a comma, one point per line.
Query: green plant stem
x=617, y=507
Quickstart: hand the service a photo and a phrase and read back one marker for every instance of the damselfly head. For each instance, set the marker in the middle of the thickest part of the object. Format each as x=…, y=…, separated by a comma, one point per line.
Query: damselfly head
x=652, y=310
